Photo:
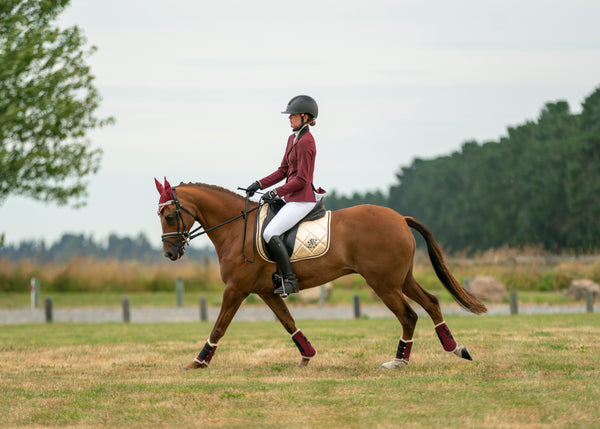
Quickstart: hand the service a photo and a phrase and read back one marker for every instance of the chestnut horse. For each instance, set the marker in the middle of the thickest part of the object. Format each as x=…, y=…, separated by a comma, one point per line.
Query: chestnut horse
x=375, y=242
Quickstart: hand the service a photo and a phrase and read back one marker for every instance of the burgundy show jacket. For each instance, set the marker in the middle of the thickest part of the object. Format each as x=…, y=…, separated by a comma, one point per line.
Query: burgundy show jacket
x=297, y=167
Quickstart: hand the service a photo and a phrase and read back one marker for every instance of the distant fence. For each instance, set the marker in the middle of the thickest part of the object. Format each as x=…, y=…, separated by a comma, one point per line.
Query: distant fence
x=357, y=307
x=203, y=305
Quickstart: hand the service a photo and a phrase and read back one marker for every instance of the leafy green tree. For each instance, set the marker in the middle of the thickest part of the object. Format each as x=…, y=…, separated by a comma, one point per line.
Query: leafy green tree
x=582, y=179
x=333, y=201
x=540, y=185
x=47, y=104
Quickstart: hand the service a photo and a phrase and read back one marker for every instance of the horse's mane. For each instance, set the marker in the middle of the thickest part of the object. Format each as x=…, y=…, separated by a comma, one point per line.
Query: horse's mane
x=219, y=190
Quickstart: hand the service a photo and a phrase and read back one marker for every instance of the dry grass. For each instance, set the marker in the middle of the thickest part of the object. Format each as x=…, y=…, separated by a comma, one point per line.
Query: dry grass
x=529, y=371
x=99, y=275
x=528, y=270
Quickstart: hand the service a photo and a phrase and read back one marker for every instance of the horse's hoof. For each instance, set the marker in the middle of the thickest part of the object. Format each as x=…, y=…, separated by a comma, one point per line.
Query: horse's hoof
x=194, y=365
x=461, y=351
x=396, y=363
x=304, y=362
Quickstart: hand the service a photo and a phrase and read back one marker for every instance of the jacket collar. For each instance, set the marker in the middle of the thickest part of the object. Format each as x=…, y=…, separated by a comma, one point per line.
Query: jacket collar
x=301, y=132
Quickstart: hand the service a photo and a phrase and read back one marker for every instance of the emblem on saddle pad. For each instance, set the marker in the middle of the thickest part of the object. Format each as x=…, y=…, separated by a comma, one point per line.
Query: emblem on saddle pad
x=309, y=239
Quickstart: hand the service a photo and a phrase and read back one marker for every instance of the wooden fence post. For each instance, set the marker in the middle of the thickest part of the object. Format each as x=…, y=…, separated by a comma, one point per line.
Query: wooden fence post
x=322, y=296
x=203, y=312
x=126, y=312
x=179, y=292
x=48, y=309
x=34, y=288
x=357, y=313
x=514, y=303
x=589, y=301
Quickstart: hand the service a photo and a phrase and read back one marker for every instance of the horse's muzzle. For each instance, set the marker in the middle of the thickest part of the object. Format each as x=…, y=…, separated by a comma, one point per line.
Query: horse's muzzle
x=174, y=252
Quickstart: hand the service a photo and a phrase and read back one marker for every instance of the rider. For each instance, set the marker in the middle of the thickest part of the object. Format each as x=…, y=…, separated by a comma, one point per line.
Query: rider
x=297, y=167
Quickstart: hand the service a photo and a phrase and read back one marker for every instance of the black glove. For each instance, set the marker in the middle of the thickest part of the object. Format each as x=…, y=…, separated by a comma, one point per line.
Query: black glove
x=270, y=196
x=250, y=190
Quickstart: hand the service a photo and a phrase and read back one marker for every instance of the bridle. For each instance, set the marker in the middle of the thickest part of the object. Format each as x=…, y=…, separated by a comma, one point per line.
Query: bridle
x=186, y=235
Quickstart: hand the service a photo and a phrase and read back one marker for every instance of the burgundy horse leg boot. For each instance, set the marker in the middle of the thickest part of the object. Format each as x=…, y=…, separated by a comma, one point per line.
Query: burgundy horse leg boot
x=289, y=280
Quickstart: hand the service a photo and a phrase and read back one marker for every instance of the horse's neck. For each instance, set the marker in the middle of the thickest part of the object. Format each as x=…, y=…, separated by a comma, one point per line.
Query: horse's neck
x=213, y=207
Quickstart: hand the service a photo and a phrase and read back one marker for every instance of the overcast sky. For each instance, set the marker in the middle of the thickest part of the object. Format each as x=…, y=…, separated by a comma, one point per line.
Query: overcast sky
x=197, y=88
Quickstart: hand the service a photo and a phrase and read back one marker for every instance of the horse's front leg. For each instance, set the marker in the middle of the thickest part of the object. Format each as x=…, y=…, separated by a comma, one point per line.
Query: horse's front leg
x=276, y=304
x=232, y=299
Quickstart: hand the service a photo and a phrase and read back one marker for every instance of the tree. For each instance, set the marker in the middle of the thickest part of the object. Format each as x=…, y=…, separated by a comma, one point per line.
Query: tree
x=47, y=104
x=537, y=186
x=582, y=178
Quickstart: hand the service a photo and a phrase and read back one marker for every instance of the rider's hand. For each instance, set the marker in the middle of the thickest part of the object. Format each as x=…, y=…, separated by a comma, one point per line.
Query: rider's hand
x=270, y=196
x=250, y=190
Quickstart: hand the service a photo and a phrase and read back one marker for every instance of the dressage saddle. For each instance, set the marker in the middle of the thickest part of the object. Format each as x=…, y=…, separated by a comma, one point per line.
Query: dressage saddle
x=289, y=237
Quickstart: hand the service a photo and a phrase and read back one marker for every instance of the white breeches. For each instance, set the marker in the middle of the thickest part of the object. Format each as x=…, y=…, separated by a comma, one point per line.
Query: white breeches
x=289, y=215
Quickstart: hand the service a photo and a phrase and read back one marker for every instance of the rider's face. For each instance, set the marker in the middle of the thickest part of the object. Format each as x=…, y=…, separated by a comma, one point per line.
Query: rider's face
x=296, y=120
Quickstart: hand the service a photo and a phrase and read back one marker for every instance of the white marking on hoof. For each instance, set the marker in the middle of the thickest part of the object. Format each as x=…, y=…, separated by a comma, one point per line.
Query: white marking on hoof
x=396, y=363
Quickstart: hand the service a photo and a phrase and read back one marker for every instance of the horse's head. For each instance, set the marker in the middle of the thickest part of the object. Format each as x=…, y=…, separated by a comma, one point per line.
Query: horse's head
x=174, y=218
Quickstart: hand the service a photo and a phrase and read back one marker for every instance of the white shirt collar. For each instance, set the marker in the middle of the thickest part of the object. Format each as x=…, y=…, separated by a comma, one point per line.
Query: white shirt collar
x=296, y=133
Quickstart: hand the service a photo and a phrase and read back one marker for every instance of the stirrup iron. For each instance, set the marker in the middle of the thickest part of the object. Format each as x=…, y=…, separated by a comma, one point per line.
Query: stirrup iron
x=280, y=287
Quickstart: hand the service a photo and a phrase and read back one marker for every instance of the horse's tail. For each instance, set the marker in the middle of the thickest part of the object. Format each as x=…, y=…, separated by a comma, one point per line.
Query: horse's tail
x=465, y=298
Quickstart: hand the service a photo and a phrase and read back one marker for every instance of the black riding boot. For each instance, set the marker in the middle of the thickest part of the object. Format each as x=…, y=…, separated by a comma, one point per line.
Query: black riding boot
x=290, y=282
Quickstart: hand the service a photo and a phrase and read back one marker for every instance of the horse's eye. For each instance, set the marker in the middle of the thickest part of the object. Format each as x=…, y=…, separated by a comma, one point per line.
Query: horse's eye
x=170, y=218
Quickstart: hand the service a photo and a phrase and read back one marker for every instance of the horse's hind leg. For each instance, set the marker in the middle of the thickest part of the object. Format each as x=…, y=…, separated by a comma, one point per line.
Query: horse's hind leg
x=431, y=305
x=276, y=304
x=393, y=299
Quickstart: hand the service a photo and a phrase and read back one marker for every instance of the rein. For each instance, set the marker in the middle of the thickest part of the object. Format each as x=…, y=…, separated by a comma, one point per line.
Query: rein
x=187, y=236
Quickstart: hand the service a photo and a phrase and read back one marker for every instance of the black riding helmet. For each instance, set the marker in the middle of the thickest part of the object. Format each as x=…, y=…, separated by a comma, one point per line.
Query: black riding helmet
x=302, y=104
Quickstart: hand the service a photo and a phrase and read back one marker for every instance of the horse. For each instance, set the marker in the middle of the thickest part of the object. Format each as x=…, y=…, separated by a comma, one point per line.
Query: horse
x=373, y=241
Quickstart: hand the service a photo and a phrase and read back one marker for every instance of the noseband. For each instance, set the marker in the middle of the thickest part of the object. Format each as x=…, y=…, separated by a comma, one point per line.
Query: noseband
x=185, y=235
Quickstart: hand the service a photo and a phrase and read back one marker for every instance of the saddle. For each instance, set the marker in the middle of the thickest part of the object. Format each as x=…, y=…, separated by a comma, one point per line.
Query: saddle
x=309, y=238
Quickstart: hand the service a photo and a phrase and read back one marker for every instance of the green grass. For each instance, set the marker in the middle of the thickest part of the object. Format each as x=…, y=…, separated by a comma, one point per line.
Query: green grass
x=528, y=371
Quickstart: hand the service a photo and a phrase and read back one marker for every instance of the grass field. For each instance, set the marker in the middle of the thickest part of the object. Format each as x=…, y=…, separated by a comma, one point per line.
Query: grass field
x=528, y=371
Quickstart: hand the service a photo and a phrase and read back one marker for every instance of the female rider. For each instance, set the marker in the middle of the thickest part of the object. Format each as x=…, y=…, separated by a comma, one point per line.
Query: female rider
x=300, y=196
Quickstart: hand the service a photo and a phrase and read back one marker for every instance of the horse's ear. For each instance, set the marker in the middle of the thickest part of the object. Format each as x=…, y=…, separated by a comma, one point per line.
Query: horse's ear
x=159, y=187
x=167, y=184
